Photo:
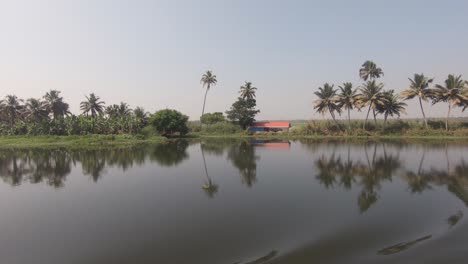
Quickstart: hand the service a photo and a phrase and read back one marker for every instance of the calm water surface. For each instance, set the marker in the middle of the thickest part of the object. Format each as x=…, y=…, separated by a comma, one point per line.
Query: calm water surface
x=244, y=202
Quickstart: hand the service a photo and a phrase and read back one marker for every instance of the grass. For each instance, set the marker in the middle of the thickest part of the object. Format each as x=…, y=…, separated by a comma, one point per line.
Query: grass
x=323, y=129
x=75, y=141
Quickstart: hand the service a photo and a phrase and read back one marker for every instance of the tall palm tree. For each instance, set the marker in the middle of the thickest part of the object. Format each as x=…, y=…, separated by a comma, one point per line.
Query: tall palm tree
x=93, y=105
x=208, y=79
x=371, y=95
x=419, y=87
x=369, y=70
x=55, y=104
x=347, y=99
x=124, y=110
x=454, y=92
x=247, y=91
x=390, y=105
x=327, y=101
x=12, y=108
x=140, y=113
x=112, y=111
x=35, y=110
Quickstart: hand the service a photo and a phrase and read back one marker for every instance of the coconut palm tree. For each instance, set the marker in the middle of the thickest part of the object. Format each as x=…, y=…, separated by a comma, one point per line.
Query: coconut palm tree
x=369, y=70
x=208, y=79
x=55, y=104
x=454, y=92
x=93, y=105
x=35, y=110
x=12, y=108
x=347, y=99
x=371, y=95
x=124, y=110
x=247, y=91
x=390, y=105
x=419, y=87
x=327, y=101
x=112, y=111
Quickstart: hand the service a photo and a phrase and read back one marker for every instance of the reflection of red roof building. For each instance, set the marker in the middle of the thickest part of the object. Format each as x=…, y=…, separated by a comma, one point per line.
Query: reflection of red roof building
x=271, y=143
x=270, y=126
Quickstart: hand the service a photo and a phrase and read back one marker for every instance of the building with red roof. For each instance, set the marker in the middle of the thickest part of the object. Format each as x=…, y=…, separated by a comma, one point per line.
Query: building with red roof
x=267, y=126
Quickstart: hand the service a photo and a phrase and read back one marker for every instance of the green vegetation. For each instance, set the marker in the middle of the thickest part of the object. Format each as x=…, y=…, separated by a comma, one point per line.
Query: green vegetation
x=76, y=141
x=168, y=122
x=212, y=118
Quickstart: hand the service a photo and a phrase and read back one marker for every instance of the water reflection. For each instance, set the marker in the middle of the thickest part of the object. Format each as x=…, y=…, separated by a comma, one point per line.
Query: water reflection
x=379, y=166
x=244, y=158
x=402, y=246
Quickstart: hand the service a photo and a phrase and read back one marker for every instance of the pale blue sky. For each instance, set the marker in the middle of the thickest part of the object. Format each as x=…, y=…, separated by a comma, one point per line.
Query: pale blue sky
x=153, y=53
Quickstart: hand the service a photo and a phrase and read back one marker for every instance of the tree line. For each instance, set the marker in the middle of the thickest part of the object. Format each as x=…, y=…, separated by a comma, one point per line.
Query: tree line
x=372, y=97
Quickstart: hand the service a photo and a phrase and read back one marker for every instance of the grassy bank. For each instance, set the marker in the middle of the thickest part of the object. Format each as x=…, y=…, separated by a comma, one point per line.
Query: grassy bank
x=76, y=141
x=395, y=129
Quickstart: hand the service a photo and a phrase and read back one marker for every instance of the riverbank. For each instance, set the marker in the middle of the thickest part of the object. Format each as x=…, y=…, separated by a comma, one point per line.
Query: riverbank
x=76, y=141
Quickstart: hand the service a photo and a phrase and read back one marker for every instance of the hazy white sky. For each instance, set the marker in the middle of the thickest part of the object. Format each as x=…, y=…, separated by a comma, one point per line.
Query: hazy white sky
x=153, y=53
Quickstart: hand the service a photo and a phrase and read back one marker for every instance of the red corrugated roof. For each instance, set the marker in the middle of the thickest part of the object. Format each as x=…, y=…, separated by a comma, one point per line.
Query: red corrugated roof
x=272, y=124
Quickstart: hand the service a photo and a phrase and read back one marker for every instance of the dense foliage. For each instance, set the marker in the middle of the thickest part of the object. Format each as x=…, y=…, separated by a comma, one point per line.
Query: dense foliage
x=212, y=118
x=169, y=121
x=51, y=116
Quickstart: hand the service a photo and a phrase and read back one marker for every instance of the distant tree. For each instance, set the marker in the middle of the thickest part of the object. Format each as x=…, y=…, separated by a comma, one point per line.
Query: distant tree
x=208, y=79
x=168, y=122
x=55, y=104
x=118, y=110
x=243, y=112
x=11, y=108
x=371, y=95
x=454, y=92
x=347, y=99
x=390, y=105
x=247, y=91
x=93, y=105
x=212, y=118
x=328, y=101
x=419, y=87
x=35, y=110
x=369, y=70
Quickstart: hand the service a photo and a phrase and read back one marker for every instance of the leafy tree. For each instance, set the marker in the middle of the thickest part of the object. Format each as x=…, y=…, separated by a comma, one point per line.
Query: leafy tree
x=371, y=95
x=390, y=106
x=208, y=79
x=347, y=98
x=419, y=87
x=93, y=105
x=11, y=108
x=55, y=104
x=212, y=118
x=118, y=110
x=454, y=92
x=328, y=101
x=169, y=121
x=247, y=91
x=35, y=110
x=243, y=112
x=369, y=70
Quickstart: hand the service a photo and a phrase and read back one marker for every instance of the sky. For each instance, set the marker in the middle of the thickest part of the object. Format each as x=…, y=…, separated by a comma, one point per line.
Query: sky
x=153, y=53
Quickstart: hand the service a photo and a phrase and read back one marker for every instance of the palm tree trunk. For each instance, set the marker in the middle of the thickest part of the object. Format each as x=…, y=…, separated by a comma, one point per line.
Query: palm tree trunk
x=448, y=116
x=385, y=121
x=367, y=117
x=334, y=119
x=422, y=110
x=375, y=117
x=204, y=101
x=349, y=118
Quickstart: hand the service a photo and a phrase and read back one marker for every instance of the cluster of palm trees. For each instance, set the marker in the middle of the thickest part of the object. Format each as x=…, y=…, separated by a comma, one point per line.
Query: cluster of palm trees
x=372, y=96
x=51, y=115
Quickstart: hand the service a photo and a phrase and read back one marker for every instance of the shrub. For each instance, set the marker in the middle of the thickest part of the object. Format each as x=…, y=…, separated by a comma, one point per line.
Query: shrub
x=169, y=121
x=222, y=128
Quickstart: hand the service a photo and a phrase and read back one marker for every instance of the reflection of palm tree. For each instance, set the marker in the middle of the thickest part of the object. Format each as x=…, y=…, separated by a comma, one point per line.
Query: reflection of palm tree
x=420, y=181
x=454, y=219
x=402, y=246
x=327, y=170
x=347, y=172
x=244, y=159
x=209, y=187
x=366, y=199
